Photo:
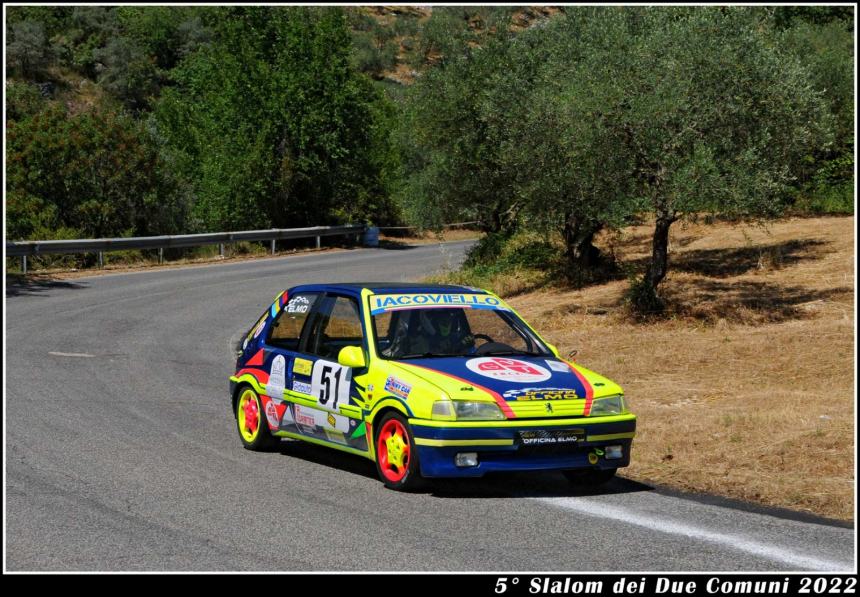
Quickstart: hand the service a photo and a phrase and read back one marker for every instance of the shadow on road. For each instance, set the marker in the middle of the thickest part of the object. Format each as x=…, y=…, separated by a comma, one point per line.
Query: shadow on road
x=528, y=485
x=328, y=457
x=493, y=485
x=35, y=285
x=395, y=245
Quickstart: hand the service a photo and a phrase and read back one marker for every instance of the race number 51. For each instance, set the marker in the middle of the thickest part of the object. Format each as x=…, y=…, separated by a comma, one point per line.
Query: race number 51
x=330, y=384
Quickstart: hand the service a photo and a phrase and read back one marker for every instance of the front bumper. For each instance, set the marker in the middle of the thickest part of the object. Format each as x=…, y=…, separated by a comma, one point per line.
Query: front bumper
x=522, y=444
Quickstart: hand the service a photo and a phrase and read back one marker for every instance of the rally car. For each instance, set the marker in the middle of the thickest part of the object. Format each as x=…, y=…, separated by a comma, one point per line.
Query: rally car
x=426, y=381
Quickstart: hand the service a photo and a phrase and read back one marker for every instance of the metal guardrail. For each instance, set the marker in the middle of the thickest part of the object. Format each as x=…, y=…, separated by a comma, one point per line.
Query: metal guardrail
x=26, y=248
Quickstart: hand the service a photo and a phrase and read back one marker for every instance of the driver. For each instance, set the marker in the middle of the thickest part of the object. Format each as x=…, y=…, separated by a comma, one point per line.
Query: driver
x=442, y=331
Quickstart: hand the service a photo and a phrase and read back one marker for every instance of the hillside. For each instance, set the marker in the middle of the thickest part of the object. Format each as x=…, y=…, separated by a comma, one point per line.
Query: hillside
x=401, y=43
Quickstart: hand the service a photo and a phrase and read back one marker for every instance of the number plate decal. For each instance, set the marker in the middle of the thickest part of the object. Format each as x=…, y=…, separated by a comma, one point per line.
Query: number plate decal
x=330, y=384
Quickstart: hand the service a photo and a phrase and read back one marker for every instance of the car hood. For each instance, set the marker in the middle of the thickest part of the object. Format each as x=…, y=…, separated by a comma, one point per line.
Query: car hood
x=523, y=386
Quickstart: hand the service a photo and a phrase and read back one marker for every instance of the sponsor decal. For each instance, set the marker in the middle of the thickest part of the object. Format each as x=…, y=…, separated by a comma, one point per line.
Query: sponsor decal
x=549, y=440
x=558, y=366
x=305, y=416
x=272, y=414
x=389, y=302
x=335, y=436
x=540, y=437
x=339, y=422
x=260, y=325
x=313, y=417
x=298, y=304
x=542, y=394
x=303, y=367
x=302, y=387
x=513, y=370
x=359, y=431
x=397, y=387
x=275, y=386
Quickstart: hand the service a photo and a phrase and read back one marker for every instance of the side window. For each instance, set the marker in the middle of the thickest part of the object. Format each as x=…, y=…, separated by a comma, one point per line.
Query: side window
x=338, y=328
x=287, y=328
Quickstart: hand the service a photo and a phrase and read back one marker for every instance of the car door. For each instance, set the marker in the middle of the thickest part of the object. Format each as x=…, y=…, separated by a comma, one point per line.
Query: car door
x=283, y=341
x=321, y=388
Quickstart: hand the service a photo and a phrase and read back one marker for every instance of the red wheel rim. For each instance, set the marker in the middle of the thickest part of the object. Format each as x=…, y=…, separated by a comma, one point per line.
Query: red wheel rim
x=393, y=450
x=251, y=415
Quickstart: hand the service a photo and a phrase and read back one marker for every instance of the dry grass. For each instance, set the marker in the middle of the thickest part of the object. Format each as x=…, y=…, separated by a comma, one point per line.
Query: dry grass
x=746, y=390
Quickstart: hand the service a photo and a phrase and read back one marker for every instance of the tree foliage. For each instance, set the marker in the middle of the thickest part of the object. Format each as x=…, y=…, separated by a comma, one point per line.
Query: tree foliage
x=272, y=124
x=178, y=118
x=93, y=174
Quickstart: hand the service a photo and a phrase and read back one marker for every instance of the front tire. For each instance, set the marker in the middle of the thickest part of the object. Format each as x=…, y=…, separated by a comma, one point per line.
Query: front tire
x=251, y=422
x=590, y=477
x=396, y=455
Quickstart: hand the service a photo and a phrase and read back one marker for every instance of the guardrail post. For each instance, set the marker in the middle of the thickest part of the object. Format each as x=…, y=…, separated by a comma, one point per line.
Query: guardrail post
x=160, y=255
x=273, y=246
x=24, y=263
x=221, y=250
x=101, y=260
x=318, y=242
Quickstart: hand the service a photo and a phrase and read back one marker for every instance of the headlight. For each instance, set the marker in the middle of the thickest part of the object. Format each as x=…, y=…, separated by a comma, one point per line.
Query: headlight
x=443, y=409
x=477, y=411
x=450, y=410
x=610, y=405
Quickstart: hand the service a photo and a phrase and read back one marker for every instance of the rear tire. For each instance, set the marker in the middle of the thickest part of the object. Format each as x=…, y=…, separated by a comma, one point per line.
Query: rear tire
x=251, y=422
x=590, y=477
x=396, y=454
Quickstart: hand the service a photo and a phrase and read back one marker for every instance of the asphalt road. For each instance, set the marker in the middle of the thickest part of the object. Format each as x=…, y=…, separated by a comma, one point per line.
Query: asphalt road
x=122, y=454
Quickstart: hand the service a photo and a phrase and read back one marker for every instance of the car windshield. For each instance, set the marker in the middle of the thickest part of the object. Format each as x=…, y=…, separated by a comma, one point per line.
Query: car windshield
x=407, y=333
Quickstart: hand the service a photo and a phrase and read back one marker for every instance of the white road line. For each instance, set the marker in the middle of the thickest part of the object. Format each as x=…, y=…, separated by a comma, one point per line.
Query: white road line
x=665, y=525
x=80, y=355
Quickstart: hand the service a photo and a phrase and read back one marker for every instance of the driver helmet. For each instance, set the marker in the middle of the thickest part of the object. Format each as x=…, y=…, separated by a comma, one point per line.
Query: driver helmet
x=438, y=321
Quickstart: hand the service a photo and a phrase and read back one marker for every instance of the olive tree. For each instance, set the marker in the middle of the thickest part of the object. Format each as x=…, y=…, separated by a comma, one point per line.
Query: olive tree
x=705, y=115
x=458, y=134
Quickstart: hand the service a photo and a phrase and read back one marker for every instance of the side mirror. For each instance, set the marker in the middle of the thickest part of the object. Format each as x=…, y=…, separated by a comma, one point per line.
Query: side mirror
x=351, y=356
x=552, y=348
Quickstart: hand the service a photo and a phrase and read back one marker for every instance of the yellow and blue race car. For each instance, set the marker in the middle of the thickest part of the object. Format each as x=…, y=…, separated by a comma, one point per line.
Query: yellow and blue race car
x=426, y=381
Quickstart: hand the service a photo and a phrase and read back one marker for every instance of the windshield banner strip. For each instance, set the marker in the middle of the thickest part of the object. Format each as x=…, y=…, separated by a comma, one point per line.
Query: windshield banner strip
x=380, y=303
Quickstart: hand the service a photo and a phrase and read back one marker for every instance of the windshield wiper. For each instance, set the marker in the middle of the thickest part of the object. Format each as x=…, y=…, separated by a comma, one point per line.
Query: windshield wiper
x=511, y=352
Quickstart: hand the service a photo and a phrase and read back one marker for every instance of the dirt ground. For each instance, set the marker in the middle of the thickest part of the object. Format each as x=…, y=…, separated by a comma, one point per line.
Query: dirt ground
x=747, y=390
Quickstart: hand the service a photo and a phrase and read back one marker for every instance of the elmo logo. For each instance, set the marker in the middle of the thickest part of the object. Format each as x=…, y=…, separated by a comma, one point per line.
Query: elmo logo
x=509, y=369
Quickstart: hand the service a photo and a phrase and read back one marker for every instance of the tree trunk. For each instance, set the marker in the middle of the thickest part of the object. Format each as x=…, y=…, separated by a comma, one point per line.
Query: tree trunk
x=501, y=220
x=581, y=254
x=659, y=264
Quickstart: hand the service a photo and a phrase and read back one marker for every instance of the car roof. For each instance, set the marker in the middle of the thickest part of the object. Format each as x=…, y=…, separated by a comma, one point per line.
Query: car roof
x=355, y=288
